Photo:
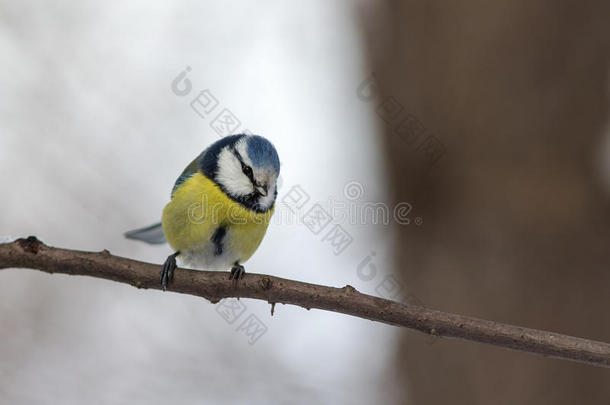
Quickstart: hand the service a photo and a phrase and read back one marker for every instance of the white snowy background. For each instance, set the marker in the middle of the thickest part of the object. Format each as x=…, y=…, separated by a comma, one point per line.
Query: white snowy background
x=91, y=140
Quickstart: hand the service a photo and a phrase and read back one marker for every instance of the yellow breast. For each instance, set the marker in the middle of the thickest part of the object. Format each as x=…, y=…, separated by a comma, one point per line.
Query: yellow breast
x=198, y=207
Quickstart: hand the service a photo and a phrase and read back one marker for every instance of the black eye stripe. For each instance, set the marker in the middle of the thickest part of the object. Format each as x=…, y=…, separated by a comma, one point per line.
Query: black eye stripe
x=247, y=170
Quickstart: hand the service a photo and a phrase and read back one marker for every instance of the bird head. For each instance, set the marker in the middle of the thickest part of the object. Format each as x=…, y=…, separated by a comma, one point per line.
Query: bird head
x=246, y=168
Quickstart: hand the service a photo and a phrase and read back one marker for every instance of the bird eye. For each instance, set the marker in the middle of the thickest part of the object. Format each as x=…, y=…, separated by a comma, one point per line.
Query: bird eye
x=247, y=170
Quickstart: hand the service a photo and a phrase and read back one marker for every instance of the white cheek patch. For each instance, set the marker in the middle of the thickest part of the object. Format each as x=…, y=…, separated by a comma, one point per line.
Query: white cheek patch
x=230, y=175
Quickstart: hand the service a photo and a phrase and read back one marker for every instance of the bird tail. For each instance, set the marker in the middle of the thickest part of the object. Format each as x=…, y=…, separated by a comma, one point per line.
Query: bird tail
x=151, y=234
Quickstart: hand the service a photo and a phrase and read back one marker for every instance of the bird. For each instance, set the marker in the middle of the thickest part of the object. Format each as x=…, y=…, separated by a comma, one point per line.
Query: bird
x=220, y=207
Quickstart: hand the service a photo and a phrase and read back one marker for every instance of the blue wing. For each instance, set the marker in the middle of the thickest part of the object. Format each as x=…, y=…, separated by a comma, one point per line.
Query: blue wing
x=188, y=172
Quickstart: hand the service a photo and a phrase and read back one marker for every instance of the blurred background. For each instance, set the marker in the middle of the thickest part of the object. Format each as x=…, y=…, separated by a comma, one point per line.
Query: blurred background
x=481, y=127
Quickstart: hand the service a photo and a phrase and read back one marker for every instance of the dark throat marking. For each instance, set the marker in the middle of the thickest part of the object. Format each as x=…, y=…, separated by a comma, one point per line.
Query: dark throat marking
x=217, y=239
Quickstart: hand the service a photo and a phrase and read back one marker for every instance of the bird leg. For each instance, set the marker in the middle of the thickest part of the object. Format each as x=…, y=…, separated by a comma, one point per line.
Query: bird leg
x=167, y=273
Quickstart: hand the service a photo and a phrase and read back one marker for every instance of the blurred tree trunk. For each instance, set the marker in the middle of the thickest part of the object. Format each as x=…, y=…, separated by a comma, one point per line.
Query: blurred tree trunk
x=516, y=223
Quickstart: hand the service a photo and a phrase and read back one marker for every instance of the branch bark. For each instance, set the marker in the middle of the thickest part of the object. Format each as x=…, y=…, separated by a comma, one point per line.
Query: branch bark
x=214, y=286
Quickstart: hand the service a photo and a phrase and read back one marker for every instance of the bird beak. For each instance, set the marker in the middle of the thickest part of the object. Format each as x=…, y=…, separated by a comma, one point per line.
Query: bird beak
x=262, y=190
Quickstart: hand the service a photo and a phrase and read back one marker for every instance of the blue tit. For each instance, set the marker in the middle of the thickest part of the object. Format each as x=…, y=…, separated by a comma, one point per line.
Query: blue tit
x=220, y=207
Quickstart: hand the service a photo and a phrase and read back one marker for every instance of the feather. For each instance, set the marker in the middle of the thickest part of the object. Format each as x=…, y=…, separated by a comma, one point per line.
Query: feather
x=152, y=234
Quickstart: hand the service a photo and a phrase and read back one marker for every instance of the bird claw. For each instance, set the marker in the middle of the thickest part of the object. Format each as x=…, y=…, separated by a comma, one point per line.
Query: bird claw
x=237, y=272
x=167, y=272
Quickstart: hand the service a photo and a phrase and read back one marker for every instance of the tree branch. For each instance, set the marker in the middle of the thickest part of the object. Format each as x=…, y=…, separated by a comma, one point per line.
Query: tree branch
x=214, y=286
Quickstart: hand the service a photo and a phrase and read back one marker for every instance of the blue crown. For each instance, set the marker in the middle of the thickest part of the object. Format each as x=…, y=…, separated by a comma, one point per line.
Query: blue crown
x=262, y=153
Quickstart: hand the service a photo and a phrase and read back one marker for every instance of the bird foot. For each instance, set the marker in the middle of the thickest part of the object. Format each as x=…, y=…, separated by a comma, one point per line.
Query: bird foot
x=237, y=272
x=167, y=273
